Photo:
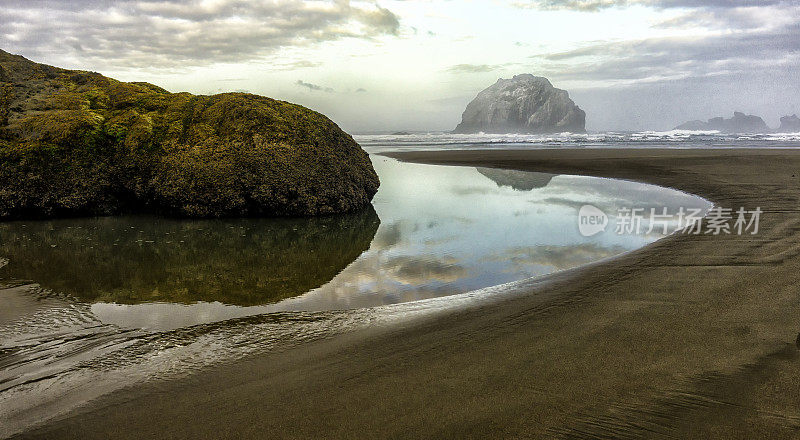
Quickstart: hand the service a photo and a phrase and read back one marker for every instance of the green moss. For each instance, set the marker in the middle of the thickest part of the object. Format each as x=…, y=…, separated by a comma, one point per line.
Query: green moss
x=86, y=144
x=6, y=97
x=62, y=127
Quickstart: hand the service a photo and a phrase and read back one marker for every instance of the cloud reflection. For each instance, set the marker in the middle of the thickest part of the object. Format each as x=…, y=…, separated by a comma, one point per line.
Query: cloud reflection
x=558, y=257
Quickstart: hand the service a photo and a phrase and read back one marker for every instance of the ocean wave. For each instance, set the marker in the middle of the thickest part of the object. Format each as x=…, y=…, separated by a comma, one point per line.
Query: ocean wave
x=611, y=139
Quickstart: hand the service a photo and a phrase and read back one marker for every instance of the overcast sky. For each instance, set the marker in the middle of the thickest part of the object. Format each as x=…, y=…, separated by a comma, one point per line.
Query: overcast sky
x=415, y=64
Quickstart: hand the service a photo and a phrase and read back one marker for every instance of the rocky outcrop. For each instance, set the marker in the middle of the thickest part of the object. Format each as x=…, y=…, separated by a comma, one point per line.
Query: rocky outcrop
x=789, y=124
x=79, y=143
x=739, y=123
x=522, y=104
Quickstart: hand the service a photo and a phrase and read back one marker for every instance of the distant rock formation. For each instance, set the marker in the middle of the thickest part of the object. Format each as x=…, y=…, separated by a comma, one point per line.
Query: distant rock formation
x=739, y=123
x=517, y=180
x=790, y=124
x=522, y=104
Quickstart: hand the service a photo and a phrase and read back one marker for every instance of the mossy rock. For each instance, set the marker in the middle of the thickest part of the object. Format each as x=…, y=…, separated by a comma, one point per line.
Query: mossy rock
x=78, y=143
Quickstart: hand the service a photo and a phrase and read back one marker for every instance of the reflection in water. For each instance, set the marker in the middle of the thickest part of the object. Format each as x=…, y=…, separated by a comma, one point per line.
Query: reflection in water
x=446, y=230
x=130, y=299
x=131, y=260
x=518, y=180
x=443, y=230
x=560, y=257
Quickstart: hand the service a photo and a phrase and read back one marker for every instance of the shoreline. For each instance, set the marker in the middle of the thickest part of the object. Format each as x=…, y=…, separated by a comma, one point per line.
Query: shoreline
x=688, y=336
x=54, y=399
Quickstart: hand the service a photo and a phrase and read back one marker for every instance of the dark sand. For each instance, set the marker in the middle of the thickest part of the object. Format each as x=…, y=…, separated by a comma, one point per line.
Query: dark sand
x=691, y=337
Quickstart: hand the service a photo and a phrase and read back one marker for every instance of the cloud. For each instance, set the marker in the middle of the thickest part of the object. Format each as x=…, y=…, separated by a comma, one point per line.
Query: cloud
x=380, y=19
x=361, y=90
x=313, y=87
x=474, y=68
x=752, y=48
x=294, y=65
x=175, y=33
x=577, y=5
x=597, y=5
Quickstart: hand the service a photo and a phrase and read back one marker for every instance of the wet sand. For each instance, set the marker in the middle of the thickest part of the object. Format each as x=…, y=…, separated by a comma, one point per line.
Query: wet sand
x=690, y=337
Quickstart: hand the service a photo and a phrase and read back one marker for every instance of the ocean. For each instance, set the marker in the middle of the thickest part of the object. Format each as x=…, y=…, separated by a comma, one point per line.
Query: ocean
x=376, y=143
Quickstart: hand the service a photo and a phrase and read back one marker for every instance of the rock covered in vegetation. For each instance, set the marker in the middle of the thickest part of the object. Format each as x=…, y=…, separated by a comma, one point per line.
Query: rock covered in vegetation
x=522, y=104
x=79, y=143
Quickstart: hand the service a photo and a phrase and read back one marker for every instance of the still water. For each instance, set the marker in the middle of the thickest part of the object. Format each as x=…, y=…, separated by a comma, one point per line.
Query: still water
x=137, y=297
x=434, y=231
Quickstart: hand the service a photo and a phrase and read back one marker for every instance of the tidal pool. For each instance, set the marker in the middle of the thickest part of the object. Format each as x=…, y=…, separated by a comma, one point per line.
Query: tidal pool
x=88, y=306
x=434, y=231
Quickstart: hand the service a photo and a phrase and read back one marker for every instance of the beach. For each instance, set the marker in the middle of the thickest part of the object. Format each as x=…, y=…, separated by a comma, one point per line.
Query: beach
x=693, y=336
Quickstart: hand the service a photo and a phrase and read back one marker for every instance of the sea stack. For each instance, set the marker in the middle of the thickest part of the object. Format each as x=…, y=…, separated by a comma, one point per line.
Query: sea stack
x=790, y=124
x=522, y=104
x=739, y=123
x=79, y=143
